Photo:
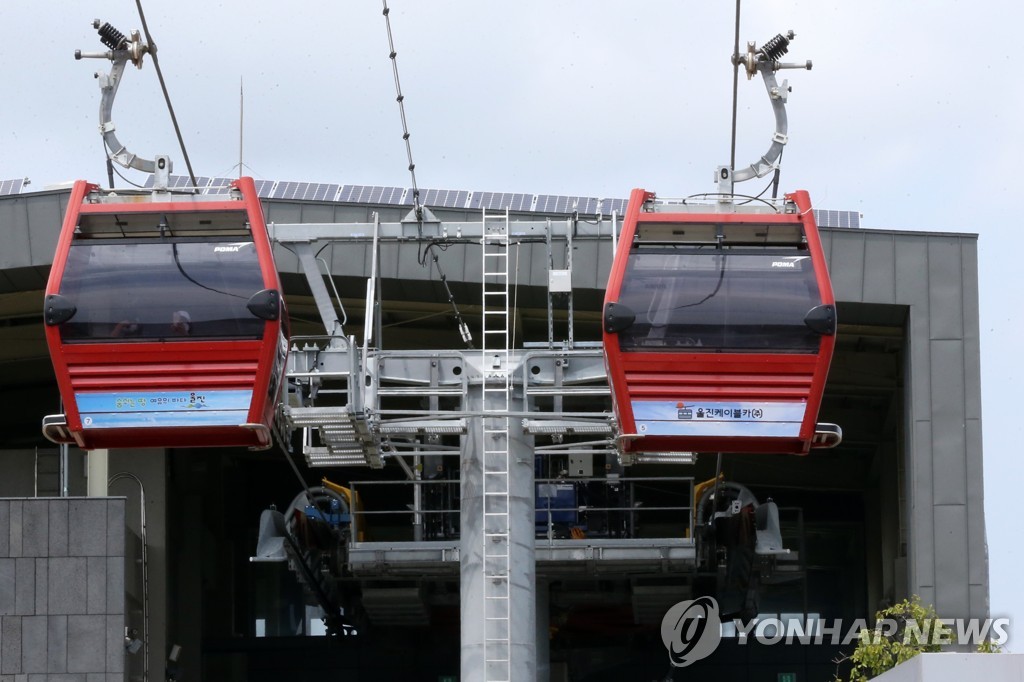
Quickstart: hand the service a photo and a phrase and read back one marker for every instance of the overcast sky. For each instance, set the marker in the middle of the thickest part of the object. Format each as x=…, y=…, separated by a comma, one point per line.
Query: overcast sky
x=911, y=116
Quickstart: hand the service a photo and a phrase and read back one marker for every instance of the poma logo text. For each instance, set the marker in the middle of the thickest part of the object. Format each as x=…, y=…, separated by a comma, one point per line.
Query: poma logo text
x=691, y=630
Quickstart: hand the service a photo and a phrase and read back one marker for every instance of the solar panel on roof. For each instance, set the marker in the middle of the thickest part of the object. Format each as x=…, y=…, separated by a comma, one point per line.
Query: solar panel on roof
x=304, y=191
x=219, y=186
x=185, y=182
x=284, y=190
x=439, y=198
x=520, y=202
x=323, y=192
x=394, y=196
x=834, y=218
x=614, y=205
x=264, y=188
x=345, y=195
x=444, y=198
x=12, y=186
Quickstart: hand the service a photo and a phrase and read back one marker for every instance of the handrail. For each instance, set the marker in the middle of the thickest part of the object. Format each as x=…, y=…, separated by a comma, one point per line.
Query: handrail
x=360, y=517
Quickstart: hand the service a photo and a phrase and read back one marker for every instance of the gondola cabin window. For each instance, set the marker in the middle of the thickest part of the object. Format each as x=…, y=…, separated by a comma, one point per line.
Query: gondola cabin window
x=710, y=299
x=167, y=290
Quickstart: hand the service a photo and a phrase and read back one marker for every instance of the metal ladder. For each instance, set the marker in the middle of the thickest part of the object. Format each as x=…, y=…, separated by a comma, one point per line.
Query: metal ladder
x=495, y=442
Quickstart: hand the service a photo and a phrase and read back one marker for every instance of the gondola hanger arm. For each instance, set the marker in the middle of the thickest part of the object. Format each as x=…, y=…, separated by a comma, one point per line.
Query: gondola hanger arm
x=122, y=50
x=764, y=60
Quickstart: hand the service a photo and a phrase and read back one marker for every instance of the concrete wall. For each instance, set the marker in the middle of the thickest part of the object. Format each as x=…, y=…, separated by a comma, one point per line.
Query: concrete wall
x=956, y=668
x=62, y=610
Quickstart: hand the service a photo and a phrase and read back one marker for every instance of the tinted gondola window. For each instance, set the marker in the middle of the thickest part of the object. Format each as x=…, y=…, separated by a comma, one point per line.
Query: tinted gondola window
x=709, y=300
x=168, y=290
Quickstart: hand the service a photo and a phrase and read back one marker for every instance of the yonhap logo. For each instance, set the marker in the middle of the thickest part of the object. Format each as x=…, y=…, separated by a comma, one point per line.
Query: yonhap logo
x=691, y=630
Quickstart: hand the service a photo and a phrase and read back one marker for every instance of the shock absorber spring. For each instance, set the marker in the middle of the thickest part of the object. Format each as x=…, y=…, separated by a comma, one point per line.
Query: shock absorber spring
x=776, y=48
x=111, y=37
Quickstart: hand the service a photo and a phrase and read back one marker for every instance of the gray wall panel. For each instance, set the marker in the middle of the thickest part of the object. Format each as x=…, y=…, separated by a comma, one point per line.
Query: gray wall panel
x=975, y=485
x=944, y=284
x=912, y=289
x=67, y=585
x=115, y=644
x=7, y=586
x=317, y=213
x=5, y=528
x=25, y=587
x=972, y=331
x=87, y=644
x=912, y=270
x=952, y=594
x=45, y=214
x=847, y=266
x=949, y=440
x=57, y=640
x=87, y=529
x=281, y=212
x=42, y=586
x=14, y=546
x=918, y=359
x=10, y=645
x=922, y=546
x=880, y=257
x=58, y=519
x=14, y=231
x=38, y=637
x=34, y=657
x=979, y=602
x=35, y=539
x=115, y=527
x=96, y=584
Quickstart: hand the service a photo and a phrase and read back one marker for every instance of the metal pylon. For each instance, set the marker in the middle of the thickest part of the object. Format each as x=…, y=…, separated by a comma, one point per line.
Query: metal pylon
x=495, y=442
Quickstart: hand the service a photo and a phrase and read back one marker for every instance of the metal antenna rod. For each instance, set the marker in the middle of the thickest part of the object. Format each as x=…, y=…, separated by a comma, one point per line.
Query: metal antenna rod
x=241, y=121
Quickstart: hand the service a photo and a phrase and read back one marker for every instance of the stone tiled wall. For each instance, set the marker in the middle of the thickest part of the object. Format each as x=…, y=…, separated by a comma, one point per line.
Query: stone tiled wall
x=62, y=604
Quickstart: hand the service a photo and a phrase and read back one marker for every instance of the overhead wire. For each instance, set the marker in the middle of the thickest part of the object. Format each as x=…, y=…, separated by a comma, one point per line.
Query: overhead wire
x=400, y=98
x=422, y=257
x=167, y=96
x=735, y=87
x=443, y=245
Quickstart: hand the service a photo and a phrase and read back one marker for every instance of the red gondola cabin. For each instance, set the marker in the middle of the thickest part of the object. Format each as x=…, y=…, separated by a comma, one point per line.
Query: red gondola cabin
x=719, y=327
x=165, y=321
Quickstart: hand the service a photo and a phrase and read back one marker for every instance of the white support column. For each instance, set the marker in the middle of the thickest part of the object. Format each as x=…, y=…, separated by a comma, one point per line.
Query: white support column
x=512, y=617
x=96, y=473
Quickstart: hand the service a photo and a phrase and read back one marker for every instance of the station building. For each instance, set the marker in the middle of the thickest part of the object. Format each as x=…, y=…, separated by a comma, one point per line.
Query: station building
x=161, y=542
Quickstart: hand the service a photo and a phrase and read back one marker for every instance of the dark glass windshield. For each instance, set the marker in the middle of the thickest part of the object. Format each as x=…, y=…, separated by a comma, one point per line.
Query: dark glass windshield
x=161, y=290
x=709, y=300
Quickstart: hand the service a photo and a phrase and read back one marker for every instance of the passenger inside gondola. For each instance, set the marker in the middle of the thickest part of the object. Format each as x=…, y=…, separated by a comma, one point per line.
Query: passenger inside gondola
x=181, y=323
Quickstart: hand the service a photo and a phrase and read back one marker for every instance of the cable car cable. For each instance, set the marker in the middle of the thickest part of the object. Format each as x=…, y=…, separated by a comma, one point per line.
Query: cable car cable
x=417, y=206
x=735, y=87
x=422, y=258
x=167, y=97
x=400, y=98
